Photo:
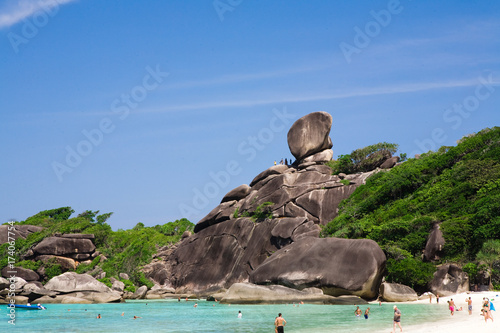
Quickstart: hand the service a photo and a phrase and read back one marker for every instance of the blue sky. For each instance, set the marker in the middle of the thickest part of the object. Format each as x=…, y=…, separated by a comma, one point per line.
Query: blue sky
x=154, y=110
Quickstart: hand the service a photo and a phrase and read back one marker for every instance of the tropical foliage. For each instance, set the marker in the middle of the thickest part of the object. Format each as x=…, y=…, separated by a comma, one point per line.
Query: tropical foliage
x=456, y=187
x=126, y=251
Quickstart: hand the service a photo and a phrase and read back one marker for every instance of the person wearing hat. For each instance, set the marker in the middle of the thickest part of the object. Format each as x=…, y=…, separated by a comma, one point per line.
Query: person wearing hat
x=397, y=319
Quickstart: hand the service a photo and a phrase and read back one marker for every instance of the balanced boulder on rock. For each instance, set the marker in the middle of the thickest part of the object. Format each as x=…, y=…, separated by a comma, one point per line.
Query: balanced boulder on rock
x=310, y=135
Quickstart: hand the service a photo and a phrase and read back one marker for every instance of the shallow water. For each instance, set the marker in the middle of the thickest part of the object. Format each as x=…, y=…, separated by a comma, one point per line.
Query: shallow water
x=174, y=316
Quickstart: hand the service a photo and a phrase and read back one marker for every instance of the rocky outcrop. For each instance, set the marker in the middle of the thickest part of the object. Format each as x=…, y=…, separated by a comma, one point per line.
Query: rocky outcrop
x=118, y=286
x=449, y=280
x=20, y=231
x=159, y=292
x=245, y=293
x=390, y=162
x=435, y=243
x=227, y=252
x=24, y=273
x=61, y=246
x=72, y=282
x=4, y=283
x=337, y=266
x=393, y=292
x=67, y=288
x=282, y=208
x=97, y=297
x=310, y=135
x=311, y=192
x=67, y=264
x=140, y=293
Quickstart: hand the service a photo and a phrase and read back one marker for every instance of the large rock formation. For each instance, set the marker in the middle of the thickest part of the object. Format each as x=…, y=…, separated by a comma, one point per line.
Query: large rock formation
x=277, y=218
x=337, y=266
x=227, y=252
x=449, y=280
x=435, y=243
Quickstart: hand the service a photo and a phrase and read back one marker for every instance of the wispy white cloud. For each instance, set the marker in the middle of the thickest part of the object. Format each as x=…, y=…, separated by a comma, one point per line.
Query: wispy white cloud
x=236, y=78
x=351, y=93
x=354, y=92
x=12, y=12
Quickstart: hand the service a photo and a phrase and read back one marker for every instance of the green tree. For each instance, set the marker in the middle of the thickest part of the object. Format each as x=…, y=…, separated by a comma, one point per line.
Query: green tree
x=490, y=254
x=101, y=219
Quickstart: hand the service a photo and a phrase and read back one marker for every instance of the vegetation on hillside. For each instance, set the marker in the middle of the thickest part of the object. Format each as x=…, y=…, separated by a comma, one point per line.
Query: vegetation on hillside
x=363, y=159
x=457, y=187
x=126, y=250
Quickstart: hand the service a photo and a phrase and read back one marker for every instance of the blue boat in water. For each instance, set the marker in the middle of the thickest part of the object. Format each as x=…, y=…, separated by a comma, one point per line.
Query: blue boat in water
x=30, y=307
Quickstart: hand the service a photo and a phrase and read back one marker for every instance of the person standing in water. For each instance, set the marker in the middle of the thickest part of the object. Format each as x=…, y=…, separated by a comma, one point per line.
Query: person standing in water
x=280, y=323
x=367, y=312
x=452, y=306
x=469, y=305
x=397, y=319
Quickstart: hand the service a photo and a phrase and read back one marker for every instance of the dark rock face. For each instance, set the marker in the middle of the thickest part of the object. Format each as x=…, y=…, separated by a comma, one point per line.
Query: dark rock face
x=64, y=246
x=312, y=192
x=389, y=163
x=236, y=194
x=449, y=280
x=26, y=274
x=337, y=266
x=435, y=243
x=393, y=292
x=310, y=135
x=225, y=253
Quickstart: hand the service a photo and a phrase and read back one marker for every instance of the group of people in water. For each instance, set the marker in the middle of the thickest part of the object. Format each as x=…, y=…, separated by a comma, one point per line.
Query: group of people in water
x=487, y=307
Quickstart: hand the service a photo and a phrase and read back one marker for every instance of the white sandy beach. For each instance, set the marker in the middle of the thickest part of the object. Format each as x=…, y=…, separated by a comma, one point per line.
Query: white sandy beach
x=461, y=322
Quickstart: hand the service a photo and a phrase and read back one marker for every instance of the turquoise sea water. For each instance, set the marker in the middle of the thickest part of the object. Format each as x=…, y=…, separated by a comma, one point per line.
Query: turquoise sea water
x=174, y=316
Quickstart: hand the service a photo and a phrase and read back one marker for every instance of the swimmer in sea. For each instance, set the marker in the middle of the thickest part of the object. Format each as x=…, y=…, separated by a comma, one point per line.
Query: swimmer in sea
x=367, y=312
